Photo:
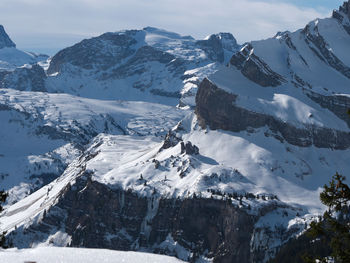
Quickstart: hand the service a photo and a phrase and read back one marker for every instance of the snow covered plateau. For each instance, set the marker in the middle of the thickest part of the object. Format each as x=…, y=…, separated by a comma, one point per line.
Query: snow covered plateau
x=149, y=141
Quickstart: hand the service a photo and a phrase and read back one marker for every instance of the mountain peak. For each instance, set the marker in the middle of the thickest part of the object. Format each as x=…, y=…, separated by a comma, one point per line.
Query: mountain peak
x=342, y=12
x=345, y=8
x=227, y=40
x=5, y=40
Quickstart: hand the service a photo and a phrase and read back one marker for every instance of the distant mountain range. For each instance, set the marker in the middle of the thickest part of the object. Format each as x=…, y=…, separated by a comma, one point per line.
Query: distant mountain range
x=146, y=140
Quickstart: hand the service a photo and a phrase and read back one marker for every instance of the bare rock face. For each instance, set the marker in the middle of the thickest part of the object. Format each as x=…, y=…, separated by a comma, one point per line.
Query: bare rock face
x=345, y=8
x=216, y=45
x=95, y=52
x=96, y=216
x=170, y=140
x=216, y=108
x=343, y=14
x=323, y=52
x=25, y=78
x=337, y=104
x=5, y=40
x=255, y=68
x=188, y=148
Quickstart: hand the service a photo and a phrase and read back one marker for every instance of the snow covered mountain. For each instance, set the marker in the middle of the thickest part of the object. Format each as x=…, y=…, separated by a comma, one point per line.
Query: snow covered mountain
x=296, y=84
x=231, y=181
x=150, y=65
x=42, y=132
x=11, y=57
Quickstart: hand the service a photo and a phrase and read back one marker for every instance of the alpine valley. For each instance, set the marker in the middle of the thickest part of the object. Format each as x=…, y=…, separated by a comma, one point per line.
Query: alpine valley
x=146, y=140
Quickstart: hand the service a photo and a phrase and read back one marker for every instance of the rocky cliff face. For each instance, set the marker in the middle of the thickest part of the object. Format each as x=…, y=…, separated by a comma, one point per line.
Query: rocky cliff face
x=254, y=68
x=217, y=109
x=216, y=45
x=202, y=193
x=30, y=78
x=5, y=40
x=295, y=85
x=93, y=215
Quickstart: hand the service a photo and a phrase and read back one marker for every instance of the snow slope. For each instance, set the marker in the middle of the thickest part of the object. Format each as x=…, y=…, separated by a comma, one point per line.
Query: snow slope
x=247, y=162
x=80, y=255
x=301, y=78
x=42, y=133
x=11, y=58
x=284, y=102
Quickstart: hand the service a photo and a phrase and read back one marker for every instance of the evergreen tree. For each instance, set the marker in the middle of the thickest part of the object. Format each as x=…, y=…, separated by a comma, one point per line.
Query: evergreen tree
x=334, y=228
x=3, y=197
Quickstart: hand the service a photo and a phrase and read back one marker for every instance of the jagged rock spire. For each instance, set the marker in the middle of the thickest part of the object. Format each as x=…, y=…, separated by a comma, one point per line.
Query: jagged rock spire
x=5, y=40
x=345, y=8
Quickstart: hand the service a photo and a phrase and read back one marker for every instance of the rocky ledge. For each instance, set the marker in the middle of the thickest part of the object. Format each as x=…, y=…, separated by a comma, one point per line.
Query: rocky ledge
x=217, y=109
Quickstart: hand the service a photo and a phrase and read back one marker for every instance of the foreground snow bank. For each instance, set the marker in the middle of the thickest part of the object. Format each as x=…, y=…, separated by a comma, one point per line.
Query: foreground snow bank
x=79, y=255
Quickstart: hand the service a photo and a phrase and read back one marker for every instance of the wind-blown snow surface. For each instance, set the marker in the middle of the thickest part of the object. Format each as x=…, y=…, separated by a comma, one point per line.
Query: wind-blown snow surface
x=42, y=133
x=80, y=255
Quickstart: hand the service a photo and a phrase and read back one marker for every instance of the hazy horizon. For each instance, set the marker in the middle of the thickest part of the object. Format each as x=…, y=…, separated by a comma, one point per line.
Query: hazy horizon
x=46, y=26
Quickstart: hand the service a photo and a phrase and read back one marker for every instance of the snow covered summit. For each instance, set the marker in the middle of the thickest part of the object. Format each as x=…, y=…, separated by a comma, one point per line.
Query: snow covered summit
x=150, y=64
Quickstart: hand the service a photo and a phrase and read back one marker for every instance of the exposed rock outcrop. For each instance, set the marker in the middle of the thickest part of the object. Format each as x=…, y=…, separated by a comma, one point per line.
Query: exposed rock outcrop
x=170, y=140
x=217, y=109
x=337, y=104
x=216, y=45
x=96, y=216
x=100, y=52
x=254, y=68
x=5, y=40
x=343, y=15
x=188, y=148
x=30, y=78
x=323, y=52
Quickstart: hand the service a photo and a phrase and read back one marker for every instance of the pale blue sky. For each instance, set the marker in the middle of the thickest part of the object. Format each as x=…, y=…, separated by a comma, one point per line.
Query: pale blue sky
x=49, y=25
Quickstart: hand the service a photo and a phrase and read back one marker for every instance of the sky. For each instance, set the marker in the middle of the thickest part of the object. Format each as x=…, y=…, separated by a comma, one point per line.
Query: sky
x=49, y=25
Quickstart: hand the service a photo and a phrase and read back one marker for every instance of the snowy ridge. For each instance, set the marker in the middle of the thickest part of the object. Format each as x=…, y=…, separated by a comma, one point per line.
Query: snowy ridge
x=51, y=129
x=149, y=65
x=297, y=82
x=130, y=162
x=286, y=98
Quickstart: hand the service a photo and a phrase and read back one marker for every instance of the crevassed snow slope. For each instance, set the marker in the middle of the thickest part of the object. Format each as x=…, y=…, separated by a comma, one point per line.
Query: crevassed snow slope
x=80, y=255
x=247, y=162
x=42, y=133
